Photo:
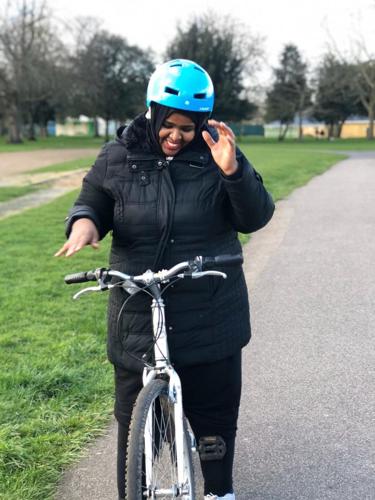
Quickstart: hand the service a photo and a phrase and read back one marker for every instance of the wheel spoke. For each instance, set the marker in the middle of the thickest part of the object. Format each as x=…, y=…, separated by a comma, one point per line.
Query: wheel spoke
x=158, y=412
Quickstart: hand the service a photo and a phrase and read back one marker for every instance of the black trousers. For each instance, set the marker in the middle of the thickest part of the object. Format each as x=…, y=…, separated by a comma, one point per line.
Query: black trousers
x=211, y=398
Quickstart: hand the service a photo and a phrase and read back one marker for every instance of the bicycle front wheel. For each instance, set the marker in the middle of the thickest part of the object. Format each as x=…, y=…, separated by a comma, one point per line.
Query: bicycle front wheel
x=153, y=427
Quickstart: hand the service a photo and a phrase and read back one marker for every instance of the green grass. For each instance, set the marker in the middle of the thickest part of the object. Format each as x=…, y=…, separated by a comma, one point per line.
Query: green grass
x=55, y=381
x=60, y=142
x=9, y=192
x=285, y=169
x=66, y=166
x=310, y=143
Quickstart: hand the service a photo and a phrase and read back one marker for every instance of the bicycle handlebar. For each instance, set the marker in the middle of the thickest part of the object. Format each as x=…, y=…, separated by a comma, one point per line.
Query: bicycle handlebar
x=194, y=268
x=80, y=277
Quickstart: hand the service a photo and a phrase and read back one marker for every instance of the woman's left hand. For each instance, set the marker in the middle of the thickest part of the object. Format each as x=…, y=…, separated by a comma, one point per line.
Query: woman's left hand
x=224, y=150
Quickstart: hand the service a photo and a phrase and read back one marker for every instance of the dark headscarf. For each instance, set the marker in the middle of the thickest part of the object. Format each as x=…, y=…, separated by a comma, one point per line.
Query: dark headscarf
x=160, y=113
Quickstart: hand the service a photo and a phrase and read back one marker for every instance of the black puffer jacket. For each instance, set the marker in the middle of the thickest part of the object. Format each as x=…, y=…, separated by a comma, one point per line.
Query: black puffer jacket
x=161, y=213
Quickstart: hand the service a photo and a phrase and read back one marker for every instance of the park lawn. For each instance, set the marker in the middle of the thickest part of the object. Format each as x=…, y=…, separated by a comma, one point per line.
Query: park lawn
x=55, y=382
x=66, y=166
x=9, y=192
x=63, y=142
x=286, y=169
x=309, y=143
x=60, y=142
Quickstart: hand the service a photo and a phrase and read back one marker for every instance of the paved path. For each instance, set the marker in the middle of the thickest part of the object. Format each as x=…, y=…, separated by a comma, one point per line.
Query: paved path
x=307, y=424
x=17, y=205
x=24, y=161
x=307, y=427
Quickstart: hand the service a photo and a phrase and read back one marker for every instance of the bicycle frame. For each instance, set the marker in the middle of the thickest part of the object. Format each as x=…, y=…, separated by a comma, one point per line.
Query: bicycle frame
x=162, y=368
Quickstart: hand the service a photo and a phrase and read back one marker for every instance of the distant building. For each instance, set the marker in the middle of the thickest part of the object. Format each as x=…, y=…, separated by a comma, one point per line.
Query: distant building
x=353, y=128
x=83, y=126
x=356, y=128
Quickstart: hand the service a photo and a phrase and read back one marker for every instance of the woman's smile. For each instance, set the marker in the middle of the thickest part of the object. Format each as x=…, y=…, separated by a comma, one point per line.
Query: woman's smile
x=174, y=146
x=177, y=131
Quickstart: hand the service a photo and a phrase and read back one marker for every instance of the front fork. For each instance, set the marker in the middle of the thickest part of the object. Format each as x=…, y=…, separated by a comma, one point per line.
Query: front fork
x=174, y=391
x=175, y=395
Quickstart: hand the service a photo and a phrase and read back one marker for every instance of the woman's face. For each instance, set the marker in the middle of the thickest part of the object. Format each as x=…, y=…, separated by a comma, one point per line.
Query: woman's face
x=175, y=133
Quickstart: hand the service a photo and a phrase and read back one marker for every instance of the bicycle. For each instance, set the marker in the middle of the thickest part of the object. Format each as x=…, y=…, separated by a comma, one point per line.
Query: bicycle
x=160, y=445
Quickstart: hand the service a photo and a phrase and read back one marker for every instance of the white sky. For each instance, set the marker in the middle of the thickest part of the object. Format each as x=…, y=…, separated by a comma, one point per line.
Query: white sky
x=311, y=25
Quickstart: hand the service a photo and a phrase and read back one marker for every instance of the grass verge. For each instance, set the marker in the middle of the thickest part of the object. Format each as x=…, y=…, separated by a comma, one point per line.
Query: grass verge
x=309, y=143
x=60, y=142
x=9, y=192
x=55, y=382
x=66, y=166
x=284, y=170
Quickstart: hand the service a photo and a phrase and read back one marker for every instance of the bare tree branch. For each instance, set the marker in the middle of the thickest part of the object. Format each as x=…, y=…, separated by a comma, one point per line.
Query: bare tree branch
x=28, y=51
x=363, y=58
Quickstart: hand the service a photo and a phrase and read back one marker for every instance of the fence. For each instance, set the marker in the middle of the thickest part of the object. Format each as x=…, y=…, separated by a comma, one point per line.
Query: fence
x=246, y=129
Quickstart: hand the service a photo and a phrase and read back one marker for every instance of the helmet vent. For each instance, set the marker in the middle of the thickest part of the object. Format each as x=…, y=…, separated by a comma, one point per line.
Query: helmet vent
x=174, y=65
x=200, y=96
x=169, y=90
x=198, y=69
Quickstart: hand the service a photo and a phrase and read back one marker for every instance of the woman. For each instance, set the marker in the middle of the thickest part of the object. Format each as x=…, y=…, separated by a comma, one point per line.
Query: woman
x=171, y=186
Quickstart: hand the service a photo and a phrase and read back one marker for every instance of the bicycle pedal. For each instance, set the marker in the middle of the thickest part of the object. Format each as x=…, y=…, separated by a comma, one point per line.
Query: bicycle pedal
x=211, y=448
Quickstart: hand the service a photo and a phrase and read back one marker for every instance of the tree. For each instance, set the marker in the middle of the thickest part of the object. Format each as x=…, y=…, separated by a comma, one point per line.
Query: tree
x=229, y=54
x=336, y=95
x=2, y=104
x=29, y=51
x=365, y=84
x=362, y=57
x=111, y=78
x=290, y=94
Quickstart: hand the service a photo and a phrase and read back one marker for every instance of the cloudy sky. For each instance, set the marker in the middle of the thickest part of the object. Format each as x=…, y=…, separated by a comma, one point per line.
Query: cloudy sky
x=311, y=25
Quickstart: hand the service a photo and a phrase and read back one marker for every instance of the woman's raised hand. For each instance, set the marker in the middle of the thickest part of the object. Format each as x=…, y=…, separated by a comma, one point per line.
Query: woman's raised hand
x=224, y=149
x=83, y=233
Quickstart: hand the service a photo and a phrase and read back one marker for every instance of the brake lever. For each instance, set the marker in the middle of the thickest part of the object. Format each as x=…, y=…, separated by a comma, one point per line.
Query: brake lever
x=89, y=289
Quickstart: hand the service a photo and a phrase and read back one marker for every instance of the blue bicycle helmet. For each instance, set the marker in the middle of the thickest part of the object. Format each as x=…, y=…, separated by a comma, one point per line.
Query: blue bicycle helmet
x=181, y=84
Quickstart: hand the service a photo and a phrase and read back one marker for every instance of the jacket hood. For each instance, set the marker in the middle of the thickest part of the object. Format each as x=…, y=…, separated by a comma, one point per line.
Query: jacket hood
x=133, y=136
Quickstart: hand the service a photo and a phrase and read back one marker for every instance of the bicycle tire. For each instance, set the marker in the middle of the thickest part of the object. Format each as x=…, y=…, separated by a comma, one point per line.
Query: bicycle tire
x=155, y=398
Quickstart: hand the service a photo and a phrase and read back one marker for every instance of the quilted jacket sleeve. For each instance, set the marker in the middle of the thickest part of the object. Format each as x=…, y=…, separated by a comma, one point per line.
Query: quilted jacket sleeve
x=251, y=206
x=94, y=202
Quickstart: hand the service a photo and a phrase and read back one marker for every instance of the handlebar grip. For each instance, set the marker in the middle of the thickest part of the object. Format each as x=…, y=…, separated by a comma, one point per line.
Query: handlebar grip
x=80, y=277
x=223, y=260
